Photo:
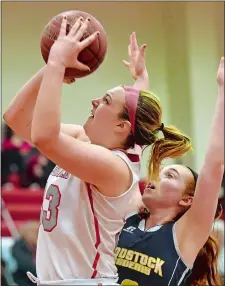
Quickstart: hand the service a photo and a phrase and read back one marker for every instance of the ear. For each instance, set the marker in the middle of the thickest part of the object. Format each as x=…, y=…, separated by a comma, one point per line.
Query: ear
x=124, y=126
x=186, y=201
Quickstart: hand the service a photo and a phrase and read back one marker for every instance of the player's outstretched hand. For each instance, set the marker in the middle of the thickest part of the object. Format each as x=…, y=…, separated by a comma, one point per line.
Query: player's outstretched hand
x=136, y=56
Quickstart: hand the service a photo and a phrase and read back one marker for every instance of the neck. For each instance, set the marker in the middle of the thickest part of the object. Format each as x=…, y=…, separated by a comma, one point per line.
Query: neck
x=159, y=217
x=112, y=144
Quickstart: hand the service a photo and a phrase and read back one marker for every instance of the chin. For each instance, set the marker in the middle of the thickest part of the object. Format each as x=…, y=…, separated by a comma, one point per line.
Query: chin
x=85, y=127
x=145, y=199
x=148, y=198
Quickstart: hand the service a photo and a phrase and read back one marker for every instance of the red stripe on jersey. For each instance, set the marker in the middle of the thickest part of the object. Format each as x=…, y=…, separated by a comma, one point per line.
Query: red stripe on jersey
x=97, y=233
x=133, y=158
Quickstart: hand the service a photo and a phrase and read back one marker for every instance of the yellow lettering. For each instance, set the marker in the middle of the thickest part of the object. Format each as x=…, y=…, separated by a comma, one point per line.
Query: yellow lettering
x=146, y=270
x=125, y=263
x=138, y=267
x=137, y=254
x=119, y=261
x=131, y=265
x=144, y=266
x=122, y=253
x=151, y=262
x=117, y=251
x=144, y=259
x=130, y=255
x=158, y=266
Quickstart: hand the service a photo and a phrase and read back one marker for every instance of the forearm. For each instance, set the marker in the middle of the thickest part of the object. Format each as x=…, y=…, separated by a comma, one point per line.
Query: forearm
x=142, y=82
x=47, y=115
x=215, y=150
x=20, y=111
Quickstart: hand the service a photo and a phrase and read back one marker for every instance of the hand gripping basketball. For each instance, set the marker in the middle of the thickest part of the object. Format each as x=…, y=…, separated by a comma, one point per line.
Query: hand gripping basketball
x=66, y=48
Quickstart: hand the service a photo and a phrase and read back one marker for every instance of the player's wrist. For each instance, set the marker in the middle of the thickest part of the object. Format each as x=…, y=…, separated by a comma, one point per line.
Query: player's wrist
x=56, y=64
x=142, y=81
x=143, y=75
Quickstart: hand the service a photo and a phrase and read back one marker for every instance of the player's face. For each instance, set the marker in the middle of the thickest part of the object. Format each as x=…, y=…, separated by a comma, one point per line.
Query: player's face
x=104, y=120
x=169, y=190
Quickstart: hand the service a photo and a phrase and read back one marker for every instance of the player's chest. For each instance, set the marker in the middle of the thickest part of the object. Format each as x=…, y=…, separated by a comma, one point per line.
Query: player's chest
x=61, y=185
x=133, y=238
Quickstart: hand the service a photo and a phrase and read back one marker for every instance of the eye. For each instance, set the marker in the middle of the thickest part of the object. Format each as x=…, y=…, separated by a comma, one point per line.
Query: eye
x=170, y=175
x=105, y=100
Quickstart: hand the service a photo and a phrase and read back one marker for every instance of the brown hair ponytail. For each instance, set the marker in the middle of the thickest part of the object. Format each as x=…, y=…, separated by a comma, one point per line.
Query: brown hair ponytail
x=147, y=125
x=173, y=145
x=205, y=269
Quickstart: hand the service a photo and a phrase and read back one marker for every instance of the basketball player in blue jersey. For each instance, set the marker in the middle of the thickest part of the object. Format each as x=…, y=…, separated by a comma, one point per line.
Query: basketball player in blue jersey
x=168, y=242
x=95, y=183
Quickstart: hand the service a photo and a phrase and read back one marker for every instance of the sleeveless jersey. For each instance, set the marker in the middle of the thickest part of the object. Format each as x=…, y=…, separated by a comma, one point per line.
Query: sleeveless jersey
x=149, y=257
x=79, y=226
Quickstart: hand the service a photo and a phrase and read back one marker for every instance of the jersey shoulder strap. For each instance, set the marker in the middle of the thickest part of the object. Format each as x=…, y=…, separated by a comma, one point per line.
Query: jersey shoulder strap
x=132, y=220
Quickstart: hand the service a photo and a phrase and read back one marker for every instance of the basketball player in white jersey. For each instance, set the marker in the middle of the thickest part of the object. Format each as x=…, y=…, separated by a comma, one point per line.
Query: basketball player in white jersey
x=95, y=183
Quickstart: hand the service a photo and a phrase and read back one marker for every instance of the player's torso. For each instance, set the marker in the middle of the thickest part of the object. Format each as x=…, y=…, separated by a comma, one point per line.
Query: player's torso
x=148, y=258
x=77, y=232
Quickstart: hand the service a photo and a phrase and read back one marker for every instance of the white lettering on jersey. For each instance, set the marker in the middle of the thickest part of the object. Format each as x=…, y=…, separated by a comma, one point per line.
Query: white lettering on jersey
x=130, y=229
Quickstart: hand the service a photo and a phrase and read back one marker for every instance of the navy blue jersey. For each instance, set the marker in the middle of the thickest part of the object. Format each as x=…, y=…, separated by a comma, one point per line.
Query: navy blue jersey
x=149, y=257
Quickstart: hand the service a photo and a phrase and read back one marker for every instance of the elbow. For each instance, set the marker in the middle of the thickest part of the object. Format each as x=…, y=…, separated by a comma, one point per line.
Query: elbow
x=6, y=117
x=39, y=140
x=9, y=121
x=43, y=139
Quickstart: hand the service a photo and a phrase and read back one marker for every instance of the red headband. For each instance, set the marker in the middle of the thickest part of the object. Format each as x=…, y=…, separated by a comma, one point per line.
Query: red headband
x=131, y=99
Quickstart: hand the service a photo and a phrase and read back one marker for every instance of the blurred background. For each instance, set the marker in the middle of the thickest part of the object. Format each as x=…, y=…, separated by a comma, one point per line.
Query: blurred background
x=185, y=41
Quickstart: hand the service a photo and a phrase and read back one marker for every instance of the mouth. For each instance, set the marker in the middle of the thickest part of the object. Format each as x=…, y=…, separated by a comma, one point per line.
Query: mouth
x=92, y=114
x=151, y=186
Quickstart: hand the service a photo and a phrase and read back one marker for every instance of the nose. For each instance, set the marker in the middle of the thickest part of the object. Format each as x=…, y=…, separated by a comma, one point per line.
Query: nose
x=152, y=184
x=95, y=102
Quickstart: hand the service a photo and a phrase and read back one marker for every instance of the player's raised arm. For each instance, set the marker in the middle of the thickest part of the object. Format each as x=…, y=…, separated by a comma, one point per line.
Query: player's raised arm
x=194, y=227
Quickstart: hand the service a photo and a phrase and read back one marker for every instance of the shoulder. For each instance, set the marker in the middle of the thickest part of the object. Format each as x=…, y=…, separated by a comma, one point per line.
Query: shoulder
x=131, y=160
x=132, y=219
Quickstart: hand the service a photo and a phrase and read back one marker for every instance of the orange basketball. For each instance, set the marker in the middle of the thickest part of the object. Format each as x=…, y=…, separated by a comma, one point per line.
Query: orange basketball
x=91, y=56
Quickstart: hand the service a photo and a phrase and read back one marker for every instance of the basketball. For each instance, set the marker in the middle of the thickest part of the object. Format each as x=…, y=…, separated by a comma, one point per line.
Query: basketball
x=91, y=56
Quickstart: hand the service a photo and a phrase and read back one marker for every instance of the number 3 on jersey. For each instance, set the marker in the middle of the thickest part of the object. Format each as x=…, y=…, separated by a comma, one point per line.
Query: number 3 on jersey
x=52, y=199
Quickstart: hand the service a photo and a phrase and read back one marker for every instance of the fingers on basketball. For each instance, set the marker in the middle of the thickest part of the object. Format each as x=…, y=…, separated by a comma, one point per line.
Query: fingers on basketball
x=62, y=31
x=89, y=40
x=82, y=29
x=75, y=27
x=69, y=80
x=82, y=67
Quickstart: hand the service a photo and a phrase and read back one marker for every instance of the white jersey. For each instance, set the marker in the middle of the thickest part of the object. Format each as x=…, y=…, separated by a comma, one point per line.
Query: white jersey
x=79, y=226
